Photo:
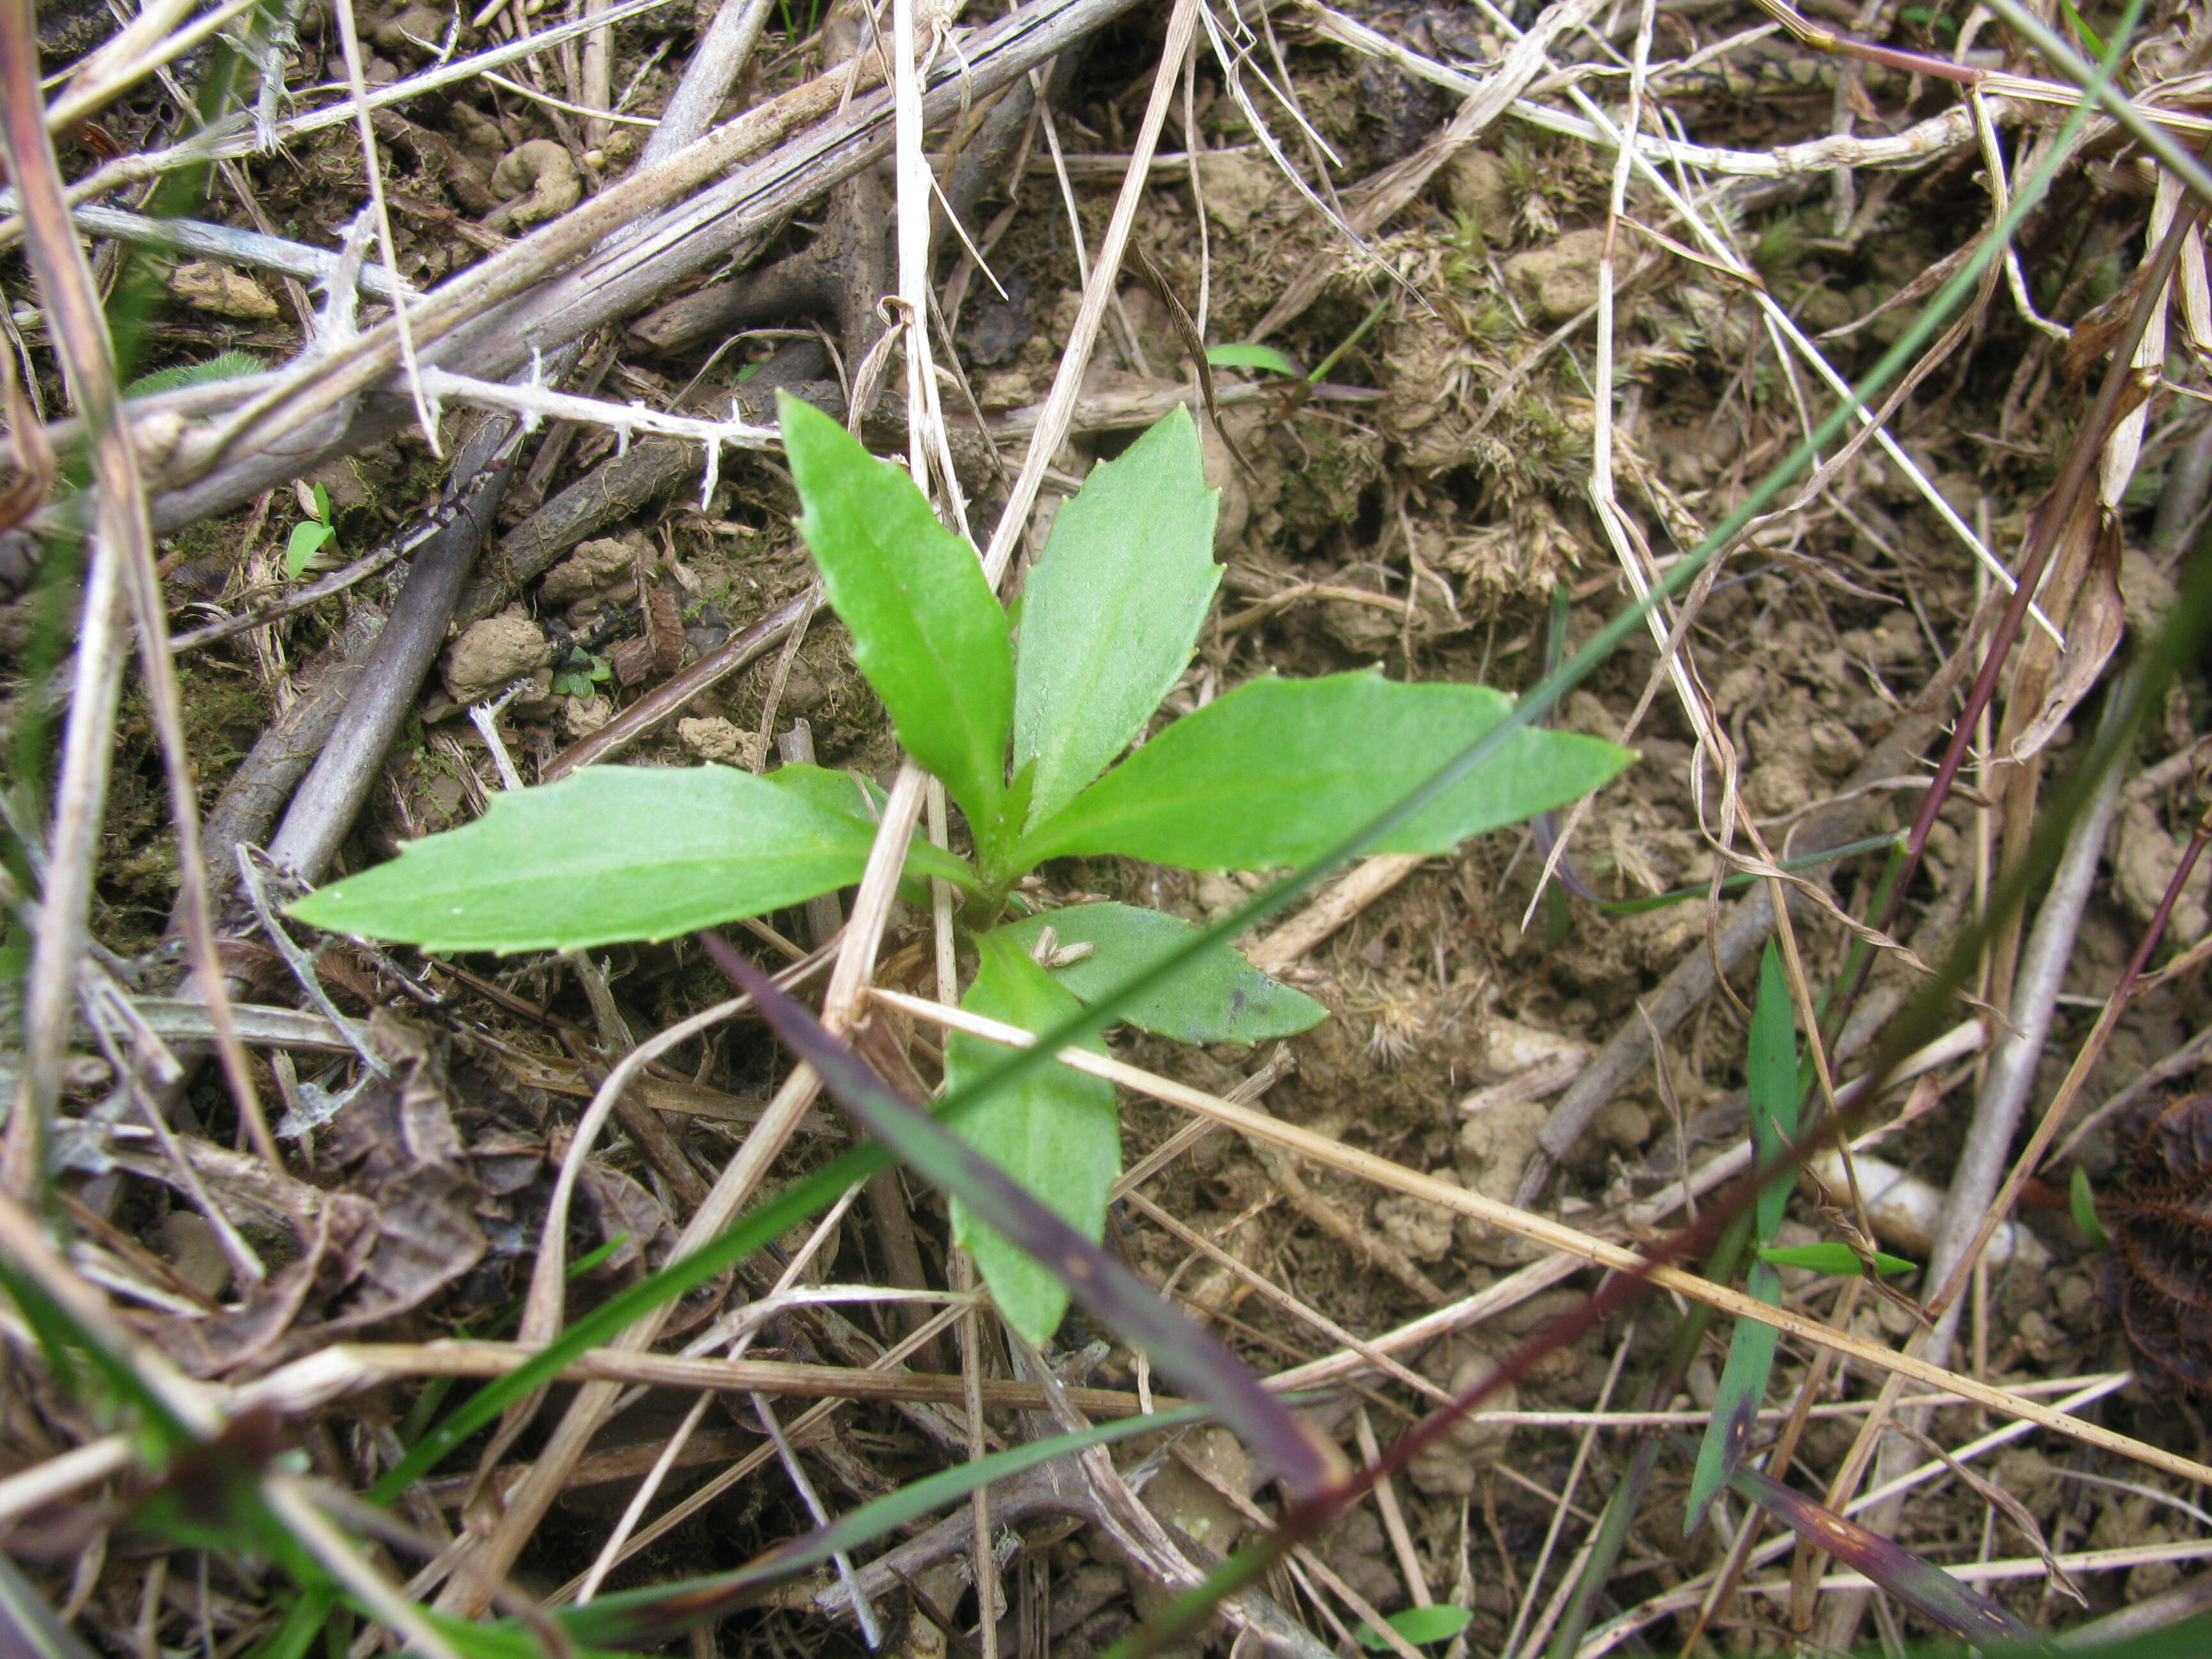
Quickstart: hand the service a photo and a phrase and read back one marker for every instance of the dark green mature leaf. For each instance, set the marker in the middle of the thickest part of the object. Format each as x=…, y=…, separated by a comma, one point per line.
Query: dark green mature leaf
x=1112, y=609
x=927, y=629
x=1055, y=1132
x=1218, y=998
x=613, y=853
x=1306, y=1461
x=648, y=1617
x=1280, y=770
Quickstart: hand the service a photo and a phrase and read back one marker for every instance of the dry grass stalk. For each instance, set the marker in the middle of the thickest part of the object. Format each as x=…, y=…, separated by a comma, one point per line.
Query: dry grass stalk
x=1556, y=1236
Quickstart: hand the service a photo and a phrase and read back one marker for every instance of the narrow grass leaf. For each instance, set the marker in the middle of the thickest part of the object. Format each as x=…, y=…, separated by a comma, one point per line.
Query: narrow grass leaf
x=1736, y=1403
x=1838, y=1259
x=1921, y=1585
x=1771, y=1092
x=1217, y=996
x=927, y=632
x=1111, y=611
x=1054, y=1131
x=1771, y=1088
x=2081, y=1198
x=1279, y=771
x=1284, y=1443
x=1240, y=355
x=613, y=853
x=644, y=1618
x=803, y=1198
x=1417, y=1626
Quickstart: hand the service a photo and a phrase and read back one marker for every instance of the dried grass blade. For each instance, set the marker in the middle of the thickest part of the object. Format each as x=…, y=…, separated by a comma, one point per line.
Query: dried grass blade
x=1921, y=1585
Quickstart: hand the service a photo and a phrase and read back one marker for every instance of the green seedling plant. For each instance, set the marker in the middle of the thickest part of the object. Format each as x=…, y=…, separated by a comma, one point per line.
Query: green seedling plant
x=303, y=550
x=1032, y=737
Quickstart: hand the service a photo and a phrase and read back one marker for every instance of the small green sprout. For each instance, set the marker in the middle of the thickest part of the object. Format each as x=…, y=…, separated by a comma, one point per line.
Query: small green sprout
x=304, y=551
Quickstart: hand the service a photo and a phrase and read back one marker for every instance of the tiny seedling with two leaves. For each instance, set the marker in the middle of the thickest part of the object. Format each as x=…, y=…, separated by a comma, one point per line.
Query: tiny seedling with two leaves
x=1031, y=738
x=303, y=550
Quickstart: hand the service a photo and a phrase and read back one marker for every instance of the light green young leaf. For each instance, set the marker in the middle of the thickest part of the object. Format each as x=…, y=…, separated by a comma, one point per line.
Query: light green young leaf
x=1280, y=770
x=613, y=853
x=1111, y=612
x=1218, y=998
x=927, y=630
x=1054, y=1131
x=1837, y=1259
x=2082, y=1199
x=1417, y=1626
x=307, y=540
x=1238, y=356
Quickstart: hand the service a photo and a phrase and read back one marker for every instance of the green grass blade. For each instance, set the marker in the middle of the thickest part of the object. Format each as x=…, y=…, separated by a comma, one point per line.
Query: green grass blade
x=1771, y=1094
x=1770, y=1087
x=647, y=1618
x=1736, y=1403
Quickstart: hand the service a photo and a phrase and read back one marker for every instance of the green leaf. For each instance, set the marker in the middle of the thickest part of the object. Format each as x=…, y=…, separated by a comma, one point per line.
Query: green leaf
x=613, y=853
x=1280, y=770
x=322, y=498
x=844, y=793
x=927, y=630
x=1054, y=1131
x=835, y=790
x=1417, y=1626
x=307, y=540
x=1111, y=612
x=1251, y=356
x=225, y=366
x=1770, y=1087
x=1735, y=1406
x=1218, y=998
x=2083, y=1200
x=1836, y=1259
